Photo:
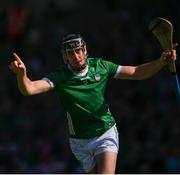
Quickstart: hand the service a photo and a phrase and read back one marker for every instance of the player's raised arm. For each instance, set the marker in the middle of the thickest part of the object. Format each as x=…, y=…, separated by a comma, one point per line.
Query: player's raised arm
x=25, y=85
x=146, y=70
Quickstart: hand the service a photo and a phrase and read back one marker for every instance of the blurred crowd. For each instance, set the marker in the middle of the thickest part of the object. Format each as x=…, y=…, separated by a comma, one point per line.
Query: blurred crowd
x=33, y=130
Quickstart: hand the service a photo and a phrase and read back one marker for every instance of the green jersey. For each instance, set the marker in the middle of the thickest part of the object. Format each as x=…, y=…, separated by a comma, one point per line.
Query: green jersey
x=83, y=97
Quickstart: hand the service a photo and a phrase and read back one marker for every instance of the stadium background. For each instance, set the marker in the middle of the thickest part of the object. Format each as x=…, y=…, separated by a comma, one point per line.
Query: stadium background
x=33, y=130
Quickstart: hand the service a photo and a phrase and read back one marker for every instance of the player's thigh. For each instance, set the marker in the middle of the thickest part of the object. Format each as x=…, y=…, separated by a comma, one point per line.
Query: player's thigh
x=106, y=162
x=106, y=151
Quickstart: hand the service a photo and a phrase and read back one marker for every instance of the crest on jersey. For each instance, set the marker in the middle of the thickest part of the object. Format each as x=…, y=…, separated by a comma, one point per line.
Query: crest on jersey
x=97, y=77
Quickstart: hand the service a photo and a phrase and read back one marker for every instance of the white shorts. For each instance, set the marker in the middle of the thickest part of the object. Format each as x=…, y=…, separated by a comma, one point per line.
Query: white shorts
x=86, y=149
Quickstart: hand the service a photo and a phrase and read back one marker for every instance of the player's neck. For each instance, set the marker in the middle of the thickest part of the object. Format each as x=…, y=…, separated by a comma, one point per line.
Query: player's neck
x=81, y=72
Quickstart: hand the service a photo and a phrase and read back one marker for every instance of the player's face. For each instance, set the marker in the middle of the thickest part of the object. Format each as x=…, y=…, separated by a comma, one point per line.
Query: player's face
x=76, y=58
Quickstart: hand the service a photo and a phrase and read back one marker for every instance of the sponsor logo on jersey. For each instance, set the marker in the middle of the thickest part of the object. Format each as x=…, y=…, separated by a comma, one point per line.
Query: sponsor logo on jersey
x=97, y=77
x=85, y=80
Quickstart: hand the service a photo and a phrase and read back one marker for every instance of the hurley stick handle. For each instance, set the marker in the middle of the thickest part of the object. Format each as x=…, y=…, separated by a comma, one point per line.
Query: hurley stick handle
x=172, y=66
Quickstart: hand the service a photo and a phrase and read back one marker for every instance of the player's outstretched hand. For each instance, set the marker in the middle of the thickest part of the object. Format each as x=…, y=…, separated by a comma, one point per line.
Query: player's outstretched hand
x=17, y=66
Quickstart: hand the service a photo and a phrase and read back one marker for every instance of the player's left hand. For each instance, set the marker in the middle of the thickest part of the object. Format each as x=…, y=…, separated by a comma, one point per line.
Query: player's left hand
x=169, y=54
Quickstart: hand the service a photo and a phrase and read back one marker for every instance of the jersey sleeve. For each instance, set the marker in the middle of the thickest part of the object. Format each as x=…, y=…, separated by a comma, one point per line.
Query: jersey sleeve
x=111, y=67
x=52, y=79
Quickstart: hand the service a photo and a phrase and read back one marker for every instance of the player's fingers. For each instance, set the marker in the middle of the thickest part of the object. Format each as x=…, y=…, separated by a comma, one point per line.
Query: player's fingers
x=17, y=57
x=169, y=55
x=16, y=63
x=174, y=56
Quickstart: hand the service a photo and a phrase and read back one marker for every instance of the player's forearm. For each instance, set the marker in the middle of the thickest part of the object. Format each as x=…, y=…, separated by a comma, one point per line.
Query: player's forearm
x=147, y=70
x=24, y=85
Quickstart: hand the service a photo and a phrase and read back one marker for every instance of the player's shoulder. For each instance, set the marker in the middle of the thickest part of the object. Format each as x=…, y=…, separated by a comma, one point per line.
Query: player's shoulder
x=99, y=61
x=94, y=61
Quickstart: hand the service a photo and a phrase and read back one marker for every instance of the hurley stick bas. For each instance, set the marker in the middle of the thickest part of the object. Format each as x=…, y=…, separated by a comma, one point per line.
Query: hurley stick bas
x=163, y=31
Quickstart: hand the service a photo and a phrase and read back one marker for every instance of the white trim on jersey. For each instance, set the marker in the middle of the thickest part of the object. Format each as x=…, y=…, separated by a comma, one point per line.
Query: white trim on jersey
x=118, y=71
x=49, y=81
x=85, y=71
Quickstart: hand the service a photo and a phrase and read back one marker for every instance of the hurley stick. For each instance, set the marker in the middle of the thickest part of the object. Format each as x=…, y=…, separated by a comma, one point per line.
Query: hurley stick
x=163, y=31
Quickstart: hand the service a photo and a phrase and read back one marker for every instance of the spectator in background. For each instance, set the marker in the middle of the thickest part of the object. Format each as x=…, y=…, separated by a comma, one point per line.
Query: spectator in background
x=17, y=16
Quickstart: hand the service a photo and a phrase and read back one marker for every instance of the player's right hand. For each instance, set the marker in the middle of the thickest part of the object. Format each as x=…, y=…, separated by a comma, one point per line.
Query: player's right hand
x=17, y=66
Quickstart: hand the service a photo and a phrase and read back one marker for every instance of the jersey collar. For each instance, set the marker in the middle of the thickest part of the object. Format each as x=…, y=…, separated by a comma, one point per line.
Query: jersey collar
x=82, y=73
